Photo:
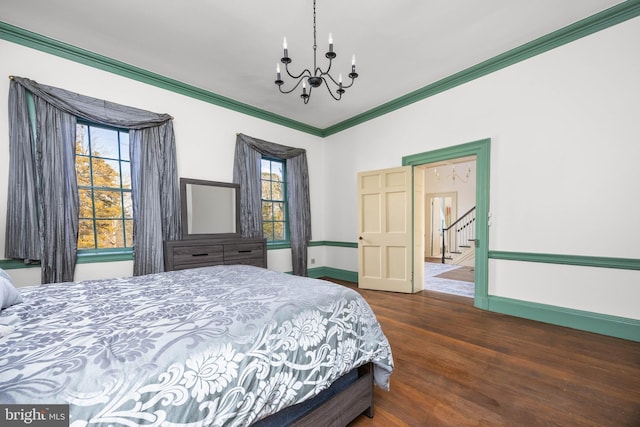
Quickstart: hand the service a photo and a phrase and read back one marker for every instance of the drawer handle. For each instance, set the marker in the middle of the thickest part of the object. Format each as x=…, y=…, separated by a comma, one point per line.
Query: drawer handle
x=244, y=251
x=199, y=254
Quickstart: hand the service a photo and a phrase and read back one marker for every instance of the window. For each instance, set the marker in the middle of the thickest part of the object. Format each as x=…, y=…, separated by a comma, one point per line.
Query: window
x=104, y=186
x=274, y=204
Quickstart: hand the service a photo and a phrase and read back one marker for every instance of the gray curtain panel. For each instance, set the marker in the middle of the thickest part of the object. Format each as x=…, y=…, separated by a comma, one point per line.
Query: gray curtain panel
x=156, y=195
x=153, y=162
x=246, y=172
x=58, y=192
x=22, y=240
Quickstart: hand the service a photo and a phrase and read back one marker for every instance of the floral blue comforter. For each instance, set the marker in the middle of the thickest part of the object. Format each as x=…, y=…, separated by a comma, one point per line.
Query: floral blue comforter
x=224, y=345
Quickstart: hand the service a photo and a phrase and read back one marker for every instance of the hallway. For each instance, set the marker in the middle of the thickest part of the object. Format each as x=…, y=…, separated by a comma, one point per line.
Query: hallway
x=434, y=282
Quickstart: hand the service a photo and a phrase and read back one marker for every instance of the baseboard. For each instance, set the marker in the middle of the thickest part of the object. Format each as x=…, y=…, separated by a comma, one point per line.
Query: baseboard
x=334, y=273
x=619, y=327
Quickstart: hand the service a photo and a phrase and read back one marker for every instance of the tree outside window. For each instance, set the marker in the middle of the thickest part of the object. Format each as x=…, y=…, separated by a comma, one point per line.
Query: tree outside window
x=274, y=204
x=104, y=186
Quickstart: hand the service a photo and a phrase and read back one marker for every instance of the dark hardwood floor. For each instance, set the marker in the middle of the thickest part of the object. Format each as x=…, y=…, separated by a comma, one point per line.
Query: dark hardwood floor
x=459, y=366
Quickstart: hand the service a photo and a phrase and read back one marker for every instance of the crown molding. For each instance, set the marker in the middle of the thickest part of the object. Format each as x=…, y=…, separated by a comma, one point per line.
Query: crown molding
x=605, y=19
x=600, y=21
x=63, y=50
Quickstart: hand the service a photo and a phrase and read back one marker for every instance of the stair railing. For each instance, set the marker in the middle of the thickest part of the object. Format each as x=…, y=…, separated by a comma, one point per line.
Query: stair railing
x=459, y=234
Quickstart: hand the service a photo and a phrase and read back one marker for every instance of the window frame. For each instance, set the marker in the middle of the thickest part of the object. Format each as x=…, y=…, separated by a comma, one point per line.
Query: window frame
x=89, y=255
x=286, y=242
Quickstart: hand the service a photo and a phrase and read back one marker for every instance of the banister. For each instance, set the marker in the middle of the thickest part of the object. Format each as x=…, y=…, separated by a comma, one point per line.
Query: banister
x=445, y=230
x=459, y=219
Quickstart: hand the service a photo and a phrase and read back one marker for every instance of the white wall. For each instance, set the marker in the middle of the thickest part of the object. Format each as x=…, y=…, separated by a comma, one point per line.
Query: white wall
x=205, y=139
x=565, y=147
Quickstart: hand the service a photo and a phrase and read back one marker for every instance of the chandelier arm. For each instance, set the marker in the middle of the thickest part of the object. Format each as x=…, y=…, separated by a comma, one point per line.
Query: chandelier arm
x=344, y=86
x=306, y=70
x=331, y=92
x=306, y=99
x=292, y=89
x=322, y=73
x=332, y=79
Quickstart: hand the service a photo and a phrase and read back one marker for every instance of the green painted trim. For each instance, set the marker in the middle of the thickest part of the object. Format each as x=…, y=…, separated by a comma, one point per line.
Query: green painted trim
x=482, y=150
x=334, y=243
x=12, y=264
x=334, y=273
x=82, y=258
x=273, y=246
x=584, y=261
x=413, y=236
x=600, y=21
x=314, y=243
x=614, y=326
x=54, y=47
x=88, y=257
x=104, y=256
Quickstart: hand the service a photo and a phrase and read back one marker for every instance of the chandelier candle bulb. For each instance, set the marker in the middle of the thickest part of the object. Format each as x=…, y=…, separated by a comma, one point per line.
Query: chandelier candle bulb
x=330, y=43
x=284, y=46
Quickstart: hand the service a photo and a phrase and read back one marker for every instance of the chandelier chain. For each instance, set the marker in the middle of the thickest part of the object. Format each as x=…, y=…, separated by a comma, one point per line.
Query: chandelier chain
x=315, y=46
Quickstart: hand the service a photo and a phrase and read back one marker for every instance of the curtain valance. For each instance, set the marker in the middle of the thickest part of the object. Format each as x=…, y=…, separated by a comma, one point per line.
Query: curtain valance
x=93, y=109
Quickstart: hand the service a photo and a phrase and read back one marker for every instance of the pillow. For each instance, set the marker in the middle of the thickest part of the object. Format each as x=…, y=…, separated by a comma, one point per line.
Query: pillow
x=9, y=295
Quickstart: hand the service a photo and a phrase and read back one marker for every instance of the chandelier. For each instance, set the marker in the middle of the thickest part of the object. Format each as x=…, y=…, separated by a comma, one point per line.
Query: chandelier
x=318, y=76
x=453, y=174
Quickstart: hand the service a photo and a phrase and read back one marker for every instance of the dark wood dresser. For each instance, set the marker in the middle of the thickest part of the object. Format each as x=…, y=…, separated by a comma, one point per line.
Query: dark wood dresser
x=192, y=253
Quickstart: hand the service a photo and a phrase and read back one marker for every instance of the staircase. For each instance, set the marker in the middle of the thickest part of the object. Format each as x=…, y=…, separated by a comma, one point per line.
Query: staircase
x=458, y=240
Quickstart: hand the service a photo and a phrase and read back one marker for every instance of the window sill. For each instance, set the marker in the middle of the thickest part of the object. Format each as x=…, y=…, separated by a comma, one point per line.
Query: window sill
x=278, y=245
x=11, y=264
x=87, y=257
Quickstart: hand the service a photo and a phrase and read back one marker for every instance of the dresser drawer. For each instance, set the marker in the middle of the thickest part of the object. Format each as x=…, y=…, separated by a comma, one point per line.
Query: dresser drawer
x=193, y=253
x=235, y=252
x=186, y=266
x=198, y=254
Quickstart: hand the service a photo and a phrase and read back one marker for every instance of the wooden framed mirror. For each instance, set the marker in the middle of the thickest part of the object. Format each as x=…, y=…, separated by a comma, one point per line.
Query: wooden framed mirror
x=209, y=209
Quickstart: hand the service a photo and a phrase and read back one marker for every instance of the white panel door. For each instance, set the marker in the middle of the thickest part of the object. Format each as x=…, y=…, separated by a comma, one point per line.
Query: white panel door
x=385, y=232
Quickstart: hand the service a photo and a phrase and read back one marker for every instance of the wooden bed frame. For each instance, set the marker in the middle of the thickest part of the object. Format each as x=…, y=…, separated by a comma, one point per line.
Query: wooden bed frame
x=345, y=406
x=337, y=406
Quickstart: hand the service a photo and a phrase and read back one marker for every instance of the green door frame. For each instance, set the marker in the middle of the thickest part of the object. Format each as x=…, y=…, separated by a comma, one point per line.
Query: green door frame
x=482, y=150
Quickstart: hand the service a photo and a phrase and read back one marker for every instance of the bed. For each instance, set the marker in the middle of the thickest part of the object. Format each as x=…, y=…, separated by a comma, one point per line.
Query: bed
x=214, y=346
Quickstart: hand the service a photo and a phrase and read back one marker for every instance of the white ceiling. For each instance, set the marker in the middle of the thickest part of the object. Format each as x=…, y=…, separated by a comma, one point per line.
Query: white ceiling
x=231, y=47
